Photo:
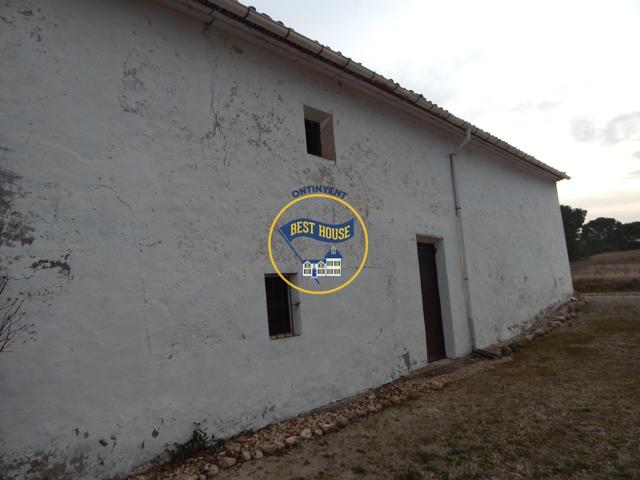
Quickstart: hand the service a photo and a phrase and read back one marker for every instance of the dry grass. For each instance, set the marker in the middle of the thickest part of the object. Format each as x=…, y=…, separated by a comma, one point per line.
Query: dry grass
x=566, y=408
x=608, y=272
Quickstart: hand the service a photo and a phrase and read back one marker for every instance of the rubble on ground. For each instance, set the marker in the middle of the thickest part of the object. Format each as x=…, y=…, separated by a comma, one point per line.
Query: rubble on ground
x=542, y=325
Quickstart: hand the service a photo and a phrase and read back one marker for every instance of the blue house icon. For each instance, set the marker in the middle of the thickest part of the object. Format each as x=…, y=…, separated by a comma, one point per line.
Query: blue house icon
x=329, y=266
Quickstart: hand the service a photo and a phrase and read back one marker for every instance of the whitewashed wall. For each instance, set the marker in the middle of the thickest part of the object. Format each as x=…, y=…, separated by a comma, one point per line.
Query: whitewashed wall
x=515, y=244
x=143, y=157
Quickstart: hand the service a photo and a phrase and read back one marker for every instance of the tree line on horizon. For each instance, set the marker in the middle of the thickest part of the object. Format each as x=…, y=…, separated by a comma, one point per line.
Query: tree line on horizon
x=602, y=234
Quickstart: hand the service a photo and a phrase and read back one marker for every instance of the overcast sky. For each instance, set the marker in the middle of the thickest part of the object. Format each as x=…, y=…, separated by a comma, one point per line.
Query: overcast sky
x=557, y=79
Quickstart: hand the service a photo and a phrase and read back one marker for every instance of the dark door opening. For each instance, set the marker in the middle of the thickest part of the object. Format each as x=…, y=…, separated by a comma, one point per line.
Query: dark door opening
x=431, y=302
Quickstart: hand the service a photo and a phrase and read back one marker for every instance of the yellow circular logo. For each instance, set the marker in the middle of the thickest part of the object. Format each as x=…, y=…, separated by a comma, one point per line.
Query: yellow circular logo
x=335, y=199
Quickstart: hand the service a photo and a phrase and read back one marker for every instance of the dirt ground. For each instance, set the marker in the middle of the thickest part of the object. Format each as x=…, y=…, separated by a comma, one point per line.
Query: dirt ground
x=568, y=406
x=608, y=272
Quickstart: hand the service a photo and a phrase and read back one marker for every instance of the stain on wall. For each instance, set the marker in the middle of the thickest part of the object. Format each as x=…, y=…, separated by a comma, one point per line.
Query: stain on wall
x=15, y=227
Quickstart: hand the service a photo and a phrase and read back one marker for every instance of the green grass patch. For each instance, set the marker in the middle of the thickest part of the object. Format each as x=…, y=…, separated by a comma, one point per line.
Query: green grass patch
x=468, y=476
x=580, y=351
x=427, y=456
x=611, y=326
x=442, y=474
x=411, y=474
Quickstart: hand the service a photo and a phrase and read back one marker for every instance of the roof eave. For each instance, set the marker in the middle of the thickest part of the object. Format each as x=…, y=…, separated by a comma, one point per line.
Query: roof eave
x=234, y=10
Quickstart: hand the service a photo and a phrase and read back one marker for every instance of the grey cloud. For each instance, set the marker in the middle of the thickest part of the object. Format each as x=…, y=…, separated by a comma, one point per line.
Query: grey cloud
x=622, y=128
x=636, y=154
x=583, y=129
x=635, y=174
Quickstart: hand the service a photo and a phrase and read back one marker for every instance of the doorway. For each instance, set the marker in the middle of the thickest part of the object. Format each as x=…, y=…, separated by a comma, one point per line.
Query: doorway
x=431, y=301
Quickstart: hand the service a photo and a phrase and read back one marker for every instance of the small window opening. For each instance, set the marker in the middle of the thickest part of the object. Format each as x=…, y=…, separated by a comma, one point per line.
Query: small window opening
x=282, y=307
x=318, y=127
x=314, y=141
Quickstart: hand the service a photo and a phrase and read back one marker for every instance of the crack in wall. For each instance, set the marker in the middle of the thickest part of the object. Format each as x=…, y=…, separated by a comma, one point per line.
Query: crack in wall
x=138, y=260
x=217, y=126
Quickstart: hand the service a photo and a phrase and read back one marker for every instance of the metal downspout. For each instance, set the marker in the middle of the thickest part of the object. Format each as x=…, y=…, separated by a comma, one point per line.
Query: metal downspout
x=461, y=244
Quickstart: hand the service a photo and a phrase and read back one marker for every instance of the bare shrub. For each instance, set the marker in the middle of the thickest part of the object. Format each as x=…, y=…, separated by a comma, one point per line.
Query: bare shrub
x=11, y=316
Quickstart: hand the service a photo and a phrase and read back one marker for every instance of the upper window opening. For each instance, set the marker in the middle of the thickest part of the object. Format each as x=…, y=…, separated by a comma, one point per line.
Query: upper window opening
x=318, y=127
x=314, y=140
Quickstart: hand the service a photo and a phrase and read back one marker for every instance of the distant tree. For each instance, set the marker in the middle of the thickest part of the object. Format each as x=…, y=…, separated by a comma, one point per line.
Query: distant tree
x=609, y=235
x=572, y=220
x=603, y=235
x=631, y=234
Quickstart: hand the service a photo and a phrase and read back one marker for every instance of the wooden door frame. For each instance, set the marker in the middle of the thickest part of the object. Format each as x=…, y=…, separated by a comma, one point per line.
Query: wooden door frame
x=443, y=289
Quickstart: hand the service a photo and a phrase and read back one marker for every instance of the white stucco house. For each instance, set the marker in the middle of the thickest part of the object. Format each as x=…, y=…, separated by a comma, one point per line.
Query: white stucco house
x=144, y=149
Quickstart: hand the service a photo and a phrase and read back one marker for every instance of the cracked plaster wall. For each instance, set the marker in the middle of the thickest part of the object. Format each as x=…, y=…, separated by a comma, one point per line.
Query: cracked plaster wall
x=142, y=159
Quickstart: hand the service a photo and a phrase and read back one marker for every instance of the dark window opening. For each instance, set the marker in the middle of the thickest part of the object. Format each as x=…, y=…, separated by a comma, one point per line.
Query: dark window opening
x=279, y=307
x=314, y=140
x=318, y=127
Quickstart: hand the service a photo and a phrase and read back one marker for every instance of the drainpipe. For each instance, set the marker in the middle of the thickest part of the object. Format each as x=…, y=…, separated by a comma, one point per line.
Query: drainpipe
x=462, y=249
